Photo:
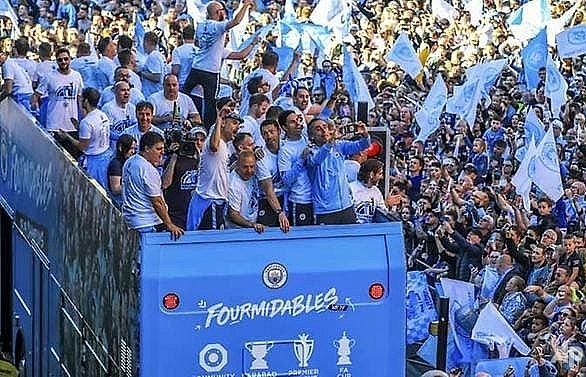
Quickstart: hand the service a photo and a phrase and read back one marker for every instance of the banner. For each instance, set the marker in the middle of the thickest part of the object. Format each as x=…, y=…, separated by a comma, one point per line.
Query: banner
x=420, y=307
x=572, y=42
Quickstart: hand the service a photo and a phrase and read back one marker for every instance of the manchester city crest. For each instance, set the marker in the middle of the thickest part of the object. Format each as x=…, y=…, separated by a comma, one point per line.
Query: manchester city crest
x=274, y=275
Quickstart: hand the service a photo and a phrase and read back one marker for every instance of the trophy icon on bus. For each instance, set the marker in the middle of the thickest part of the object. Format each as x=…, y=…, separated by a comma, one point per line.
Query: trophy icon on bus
x=259, y=351
x=303, y=348
x=344, y=346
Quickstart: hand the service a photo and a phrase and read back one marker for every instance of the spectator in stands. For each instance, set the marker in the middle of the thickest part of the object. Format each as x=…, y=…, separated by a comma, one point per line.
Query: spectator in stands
x=105, y=66
x=108, y=94
x=257, y=108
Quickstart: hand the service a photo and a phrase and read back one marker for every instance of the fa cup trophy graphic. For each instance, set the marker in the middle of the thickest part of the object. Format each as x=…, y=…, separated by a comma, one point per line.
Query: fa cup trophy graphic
x=344, y=345
x=303, y=348
x=259, y=351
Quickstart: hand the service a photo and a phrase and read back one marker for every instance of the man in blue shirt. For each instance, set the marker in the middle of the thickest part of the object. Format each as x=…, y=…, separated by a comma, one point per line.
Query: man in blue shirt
x=205, y=69
x=332, y=198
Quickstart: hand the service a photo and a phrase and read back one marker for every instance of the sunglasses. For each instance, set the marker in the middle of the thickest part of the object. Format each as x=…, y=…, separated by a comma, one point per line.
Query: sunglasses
x=62, y=59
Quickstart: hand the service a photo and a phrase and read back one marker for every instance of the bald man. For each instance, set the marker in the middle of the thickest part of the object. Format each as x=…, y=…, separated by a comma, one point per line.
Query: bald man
x=210, y=36
x=507, y=270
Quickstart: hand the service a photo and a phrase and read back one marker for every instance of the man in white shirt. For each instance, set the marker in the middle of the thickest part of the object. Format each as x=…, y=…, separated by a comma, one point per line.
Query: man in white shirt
x=154, y=68
x=108, y=94
x=120, y=111
x=208, y=203
x=143, y=206
x=258, y=106
x=211, y=34
x=17, y=82
x=243, y=193
x=172, y=108
x=94, y=138
x=144, y=116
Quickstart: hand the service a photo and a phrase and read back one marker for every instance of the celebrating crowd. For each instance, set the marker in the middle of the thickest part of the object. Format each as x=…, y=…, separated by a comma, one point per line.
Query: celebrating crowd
x=197, y=118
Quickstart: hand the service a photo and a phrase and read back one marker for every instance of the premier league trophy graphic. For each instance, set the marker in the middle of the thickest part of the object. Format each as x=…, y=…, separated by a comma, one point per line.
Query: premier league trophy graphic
x=259, y=351
x=344, y=345
x=303, y=348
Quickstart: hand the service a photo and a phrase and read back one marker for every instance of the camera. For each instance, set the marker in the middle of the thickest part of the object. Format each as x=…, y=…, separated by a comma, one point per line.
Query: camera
x=177, y=136
x=348, y=129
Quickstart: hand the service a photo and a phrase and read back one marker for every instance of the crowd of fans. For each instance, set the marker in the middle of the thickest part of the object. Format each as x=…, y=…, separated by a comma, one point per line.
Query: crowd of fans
x=280, y=146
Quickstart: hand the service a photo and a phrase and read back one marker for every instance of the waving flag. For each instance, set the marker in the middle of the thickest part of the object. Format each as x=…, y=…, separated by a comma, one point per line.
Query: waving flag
x=474, y=7
x=325, y=11
x=428, y=117
x=139, y=33
x=442, y=9
x=547, y=167
x=534, y=129
x=534, y=56
x=523, y=178
x=260, y=33
x=555, y=87
x=557, y=25
x=354, y=82
x=465, y=100
x=404, y=55
x=238, y=32
x=572, y=42
x=528, y=20
x=196, y=9
x=289, y=11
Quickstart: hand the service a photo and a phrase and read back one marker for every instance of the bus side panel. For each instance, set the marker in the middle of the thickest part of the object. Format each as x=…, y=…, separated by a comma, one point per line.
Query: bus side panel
x=80, y=236
x=275, y=304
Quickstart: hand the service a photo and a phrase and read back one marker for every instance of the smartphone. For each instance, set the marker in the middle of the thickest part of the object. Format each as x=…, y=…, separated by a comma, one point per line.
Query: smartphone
x=362, y=114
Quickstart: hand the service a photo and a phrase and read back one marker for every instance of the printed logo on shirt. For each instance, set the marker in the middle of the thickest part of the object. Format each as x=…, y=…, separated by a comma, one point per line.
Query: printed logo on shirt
x=189, y=180
x=66, y=92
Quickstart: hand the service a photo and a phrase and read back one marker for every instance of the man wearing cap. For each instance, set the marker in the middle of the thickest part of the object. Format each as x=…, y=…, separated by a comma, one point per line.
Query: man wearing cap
x=180, y=173
x=207, y=208
x=210, y=35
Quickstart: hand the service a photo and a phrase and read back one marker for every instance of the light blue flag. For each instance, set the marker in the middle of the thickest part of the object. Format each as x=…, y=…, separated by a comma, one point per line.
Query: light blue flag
x=523, y=178
x=428, y=117
x=286, y=55
x=354, y=82
x=6, y=10
x=534, y=56
x=420, y=307
x=555, y=87
x=528, y=20
x=260, y=33
x=498, y=367
x=461, y=317
x=320, y=36
x=572, y=42
x=238, y=32
x=557, y=25
x=465, y=100
x=493, y=330
x=287, y=35
x=289, y=11
x=325, y=11
x=547, y=175
x=487, y=73
x=405, y=56
x=443, y=9
x=533, y=127
x=196, y=9
x=139, y=33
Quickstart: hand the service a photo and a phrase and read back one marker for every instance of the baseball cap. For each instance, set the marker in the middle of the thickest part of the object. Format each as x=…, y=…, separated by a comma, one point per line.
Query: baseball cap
x=198, y=130
x=235, y=117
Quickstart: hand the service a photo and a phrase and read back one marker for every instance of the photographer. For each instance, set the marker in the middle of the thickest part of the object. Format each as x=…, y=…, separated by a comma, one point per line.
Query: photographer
x=180, y=174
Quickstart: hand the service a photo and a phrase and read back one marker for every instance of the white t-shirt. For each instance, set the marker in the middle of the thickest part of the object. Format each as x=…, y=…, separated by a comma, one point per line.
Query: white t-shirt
x=366, y=200
x=252, y=126
x=351, y=168
x=155, y=63
x=140, y=183
x=21, y=82
x=242, y=196
x=62, y=92
x=267, y=168
x=164, y=106
x=95, y=127
x=183, y=57
x=108, y=95
x=268, y=77
x=211, y=36
x=43, y=69
x=213, y=171
x=30, y=66
x=120, y=117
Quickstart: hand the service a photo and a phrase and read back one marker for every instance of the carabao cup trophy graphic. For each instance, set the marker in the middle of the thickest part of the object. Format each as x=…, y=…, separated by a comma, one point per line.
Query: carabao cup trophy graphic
x=259, y=351
x=303, y=348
